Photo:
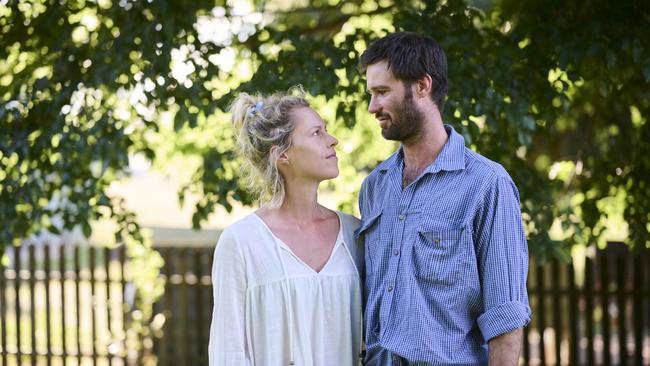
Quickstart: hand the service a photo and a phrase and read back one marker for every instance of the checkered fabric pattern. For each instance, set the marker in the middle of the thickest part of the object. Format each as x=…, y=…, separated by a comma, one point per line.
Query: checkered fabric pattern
x=446, y=259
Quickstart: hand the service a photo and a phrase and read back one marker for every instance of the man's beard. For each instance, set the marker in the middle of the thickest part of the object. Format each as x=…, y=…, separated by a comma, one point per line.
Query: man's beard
x=407, y=120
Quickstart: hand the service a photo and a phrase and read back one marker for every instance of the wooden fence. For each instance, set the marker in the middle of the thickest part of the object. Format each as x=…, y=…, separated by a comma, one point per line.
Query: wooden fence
x=64, y=305
x=74, y=308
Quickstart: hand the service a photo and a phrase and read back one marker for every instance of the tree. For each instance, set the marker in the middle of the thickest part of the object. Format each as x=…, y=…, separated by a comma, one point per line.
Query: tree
x=555, y=91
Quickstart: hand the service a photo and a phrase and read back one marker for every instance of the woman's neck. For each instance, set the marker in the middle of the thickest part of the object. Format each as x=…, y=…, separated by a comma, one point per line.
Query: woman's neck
x=300, y=205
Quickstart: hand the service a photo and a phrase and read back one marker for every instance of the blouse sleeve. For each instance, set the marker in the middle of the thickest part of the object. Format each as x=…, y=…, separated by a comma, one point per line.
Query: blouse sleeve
x=227, y=344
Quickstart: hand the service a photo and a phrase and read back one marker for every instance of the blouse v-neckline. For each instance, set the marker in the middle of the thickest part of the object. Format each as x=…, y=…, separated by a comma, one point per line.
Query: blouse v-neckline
x=285, y=246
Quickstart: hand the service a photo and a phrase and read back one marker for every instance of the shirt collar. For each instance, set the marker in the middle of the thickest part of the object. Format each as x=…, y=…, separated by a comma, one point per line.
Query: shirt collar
x=451, y=157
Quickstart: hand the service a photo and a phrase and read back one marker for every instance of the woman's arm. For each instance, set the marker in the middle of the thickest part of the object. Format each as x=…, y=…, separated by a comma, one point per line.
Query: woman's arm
x=228, y=329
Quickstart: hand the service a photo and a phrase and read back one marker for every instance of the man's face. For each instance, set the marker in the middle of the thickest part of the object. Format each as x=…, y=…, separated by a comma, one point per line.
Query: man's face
x=392, y=104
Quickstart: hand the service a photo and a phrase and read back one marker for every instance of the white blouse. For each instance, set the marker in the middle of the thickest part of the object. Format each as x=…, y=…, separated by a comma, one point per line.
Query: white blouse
x=270, y=308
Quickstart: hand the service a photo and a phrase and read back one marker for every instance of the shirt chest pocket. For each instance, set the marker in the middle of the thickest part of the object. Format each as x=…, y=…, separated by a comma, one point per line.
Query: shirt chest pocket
x=437, y=255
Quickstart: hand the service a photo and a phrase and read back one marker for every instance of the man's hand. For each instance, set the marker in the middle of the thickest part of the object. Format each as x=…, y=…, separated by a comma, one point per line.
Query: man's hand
x=504, y=350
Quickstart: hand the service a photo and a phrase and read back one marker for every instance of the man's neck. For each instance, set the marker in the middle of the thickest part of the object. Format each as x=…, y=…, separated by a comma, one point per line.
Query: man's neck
x=423, y=149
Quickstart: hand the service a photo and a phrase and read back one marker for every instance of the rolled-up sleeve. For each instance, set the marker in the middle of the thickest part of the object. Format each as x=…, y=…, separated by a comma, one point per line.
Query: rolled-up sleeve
x=503, y=261
x=227, y=345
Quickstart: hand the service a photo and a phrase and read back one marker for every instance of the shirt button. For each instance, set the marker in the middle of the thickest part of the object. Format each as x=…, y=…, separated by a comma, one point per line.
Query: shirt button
x=395, y=251
x=401, y=216
x=390, y=288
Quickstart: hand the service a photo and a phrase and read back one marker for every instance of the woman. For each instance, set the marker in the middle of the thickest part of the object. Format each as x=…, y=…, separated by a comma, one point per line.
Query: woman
x=286, y=282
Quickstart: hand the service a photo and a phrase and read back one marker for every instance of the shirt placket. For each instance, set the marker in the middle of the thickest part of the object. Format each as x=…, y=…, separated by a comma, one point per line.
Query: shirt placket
x=399, y=220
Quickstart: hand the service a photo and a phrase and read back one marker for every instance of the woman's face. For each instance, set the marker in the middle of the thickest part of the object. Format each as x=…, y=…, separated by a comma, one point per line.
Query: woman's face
x=311, y=155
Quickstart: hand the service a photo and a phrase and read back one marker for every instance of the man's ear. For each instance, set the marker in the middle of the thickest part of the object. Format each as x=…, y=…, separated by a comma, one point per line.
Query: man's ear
x=423, y=86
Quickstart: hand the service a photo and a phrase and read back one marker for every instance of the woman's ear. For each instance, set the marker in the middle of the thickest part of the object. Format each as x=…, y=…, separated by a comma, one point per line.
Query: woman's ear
x=283, y=159
x=280, y=158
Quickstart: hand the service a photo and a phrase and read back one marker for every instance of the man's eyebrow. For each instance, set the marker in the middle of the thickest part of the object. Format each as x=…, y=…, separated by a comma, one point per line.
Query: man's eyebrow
x=376, y=87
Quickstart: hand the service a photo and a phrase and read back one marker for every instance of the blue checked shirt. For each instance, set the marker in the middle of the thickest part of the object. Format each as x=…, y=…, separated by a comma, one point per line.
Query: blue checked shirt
x=446, y=259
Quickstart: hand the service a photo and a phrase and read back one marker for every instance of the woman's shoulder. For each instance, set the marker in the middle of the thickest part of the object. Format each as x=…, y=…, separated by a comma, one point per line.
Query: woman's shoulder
x=349, y=222
x=243, y=223
x=244, y=229
x=349, y=225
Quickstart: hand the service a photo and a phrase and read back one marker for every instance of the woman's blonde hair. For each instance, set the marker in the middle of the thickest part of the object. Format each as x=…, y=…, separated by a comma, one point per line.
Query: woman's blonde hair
x=263, y=126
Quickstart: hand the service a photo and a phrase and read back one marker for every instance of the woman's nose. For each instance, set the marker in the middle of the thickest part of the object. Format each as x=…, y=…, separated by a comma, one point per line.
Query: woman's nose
x=334, y=141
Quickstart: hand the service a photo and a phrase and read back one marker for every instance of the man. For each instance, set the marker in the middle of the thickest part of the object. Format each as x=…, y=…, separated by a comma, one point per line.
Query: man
x=446, y=254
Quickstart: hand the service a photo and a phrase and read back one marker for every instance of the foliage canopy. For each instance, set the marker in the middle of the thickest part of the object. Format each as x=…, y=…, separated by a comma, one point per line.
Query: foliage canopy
x=555, y=91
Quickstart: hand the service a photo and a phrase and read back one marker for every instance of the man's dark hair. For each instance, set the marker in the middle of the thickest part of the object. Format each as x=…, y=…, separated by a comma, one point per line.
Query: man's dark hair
x=410, y=56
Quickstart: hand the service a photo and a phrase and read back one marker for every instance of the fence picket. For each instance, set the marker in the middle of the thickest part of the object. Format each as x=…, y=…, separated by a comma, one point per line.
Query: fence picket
x=125, y=307
x=589, y=310
x=93, y=302
x=62, y=270
x=574, y=346
x=201, y=341
x=187, y=337
x=46, y=283
x=541, y=314
x=32, y=303
x=168, y=300
x=3, y=314
x=109, y=305
x=556, y=295
x=621, y=267
x=604, y=303
x=17, y=304
x=637, y=314
x=77, y=280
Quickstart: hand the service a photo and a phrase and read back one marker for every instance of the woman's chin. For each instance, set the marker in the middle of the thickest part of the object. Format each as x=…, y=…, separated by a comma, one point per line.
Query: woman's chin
x=329, y=176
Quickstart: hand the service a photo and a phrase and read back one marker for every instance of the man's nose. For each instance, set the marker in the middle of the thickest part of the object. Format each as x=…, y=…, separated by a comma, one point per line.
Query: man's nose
x=373, y=107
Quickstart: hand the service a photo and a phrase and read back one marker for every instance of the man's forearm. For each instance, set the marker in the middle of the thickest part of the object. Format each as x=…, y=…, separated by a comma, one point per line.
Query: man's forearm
x=504, y=350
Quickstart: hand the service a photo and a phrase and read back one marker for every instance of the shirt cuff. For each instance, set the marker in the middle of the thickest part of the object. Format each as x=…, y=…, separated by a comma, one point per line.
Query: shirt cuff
x=503, y=318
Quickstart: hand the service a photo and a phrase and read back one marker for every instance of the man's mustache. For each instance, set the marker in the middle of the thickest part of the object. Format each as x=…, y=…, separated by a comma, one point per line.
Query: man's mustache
x=382, y=114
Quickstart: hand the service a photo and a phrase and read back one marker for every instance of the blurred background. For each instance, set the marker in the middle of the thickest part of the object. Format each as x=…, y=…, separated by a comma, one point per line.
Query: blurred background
x=117, y=169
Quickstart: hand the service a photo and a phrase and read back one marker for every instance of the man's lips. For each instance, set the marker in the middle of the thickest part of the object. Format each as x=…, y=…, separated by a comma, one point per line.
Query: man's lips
x=333, y=156
x=382, y=118
x=383, y=121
